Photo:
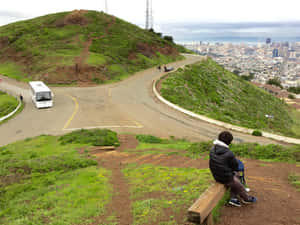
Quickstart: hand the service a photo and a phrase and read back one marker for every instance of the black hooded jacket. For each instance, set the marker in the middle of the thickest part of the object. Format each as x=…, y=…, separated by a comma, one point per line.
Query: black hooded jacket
x=222, y=162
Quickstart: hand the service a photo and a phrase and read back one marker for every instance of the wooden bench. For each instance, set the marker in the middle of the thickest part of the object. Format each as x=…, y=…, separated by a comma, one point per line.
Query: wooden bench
x=200, y=211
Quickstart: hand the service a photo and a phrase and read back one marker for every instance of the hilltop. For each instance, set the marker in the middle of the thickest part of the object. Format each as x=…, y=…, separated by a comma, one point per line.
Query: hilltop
x=80, y=47
x=207, y=88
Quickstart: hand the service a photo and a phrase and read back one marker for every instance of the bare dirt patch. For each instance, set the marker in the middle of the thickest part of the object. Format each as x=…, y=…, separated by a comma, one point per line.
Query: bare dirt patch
x=75, y=17
x=151, y=50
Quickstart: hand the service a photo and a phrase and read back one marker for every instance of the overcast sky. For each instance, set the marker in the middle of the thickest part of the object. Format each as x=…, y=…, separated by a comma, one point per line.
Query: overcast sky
x=185, y=20
x=164, y=11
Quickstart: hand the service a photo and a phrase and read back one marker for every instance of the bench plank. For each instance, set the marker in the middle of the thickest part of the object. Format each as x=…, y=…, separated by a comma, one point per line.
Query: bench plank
x=207, y=201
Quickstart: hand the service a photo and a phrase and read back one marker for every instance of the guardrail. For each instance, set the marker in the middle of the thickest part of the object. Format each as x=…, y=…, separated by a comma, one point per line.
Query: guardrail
x=13, y=112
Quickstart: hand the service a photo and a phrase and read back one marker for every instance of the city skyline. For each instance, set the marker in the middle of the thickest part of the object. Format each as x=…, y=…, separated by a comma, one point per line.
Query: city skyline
x=253, y=32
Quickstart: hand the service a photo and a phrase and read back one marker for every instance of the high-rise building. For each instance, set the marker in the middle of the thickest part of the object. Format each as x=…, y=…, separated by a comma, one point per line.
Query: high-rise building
x=268, y=41
x=275, y=52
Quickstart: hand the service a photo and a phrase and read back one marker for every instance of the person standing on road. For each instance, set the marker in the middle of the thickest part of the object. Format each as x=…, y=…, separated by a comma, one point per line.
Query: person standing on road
x=223, y=164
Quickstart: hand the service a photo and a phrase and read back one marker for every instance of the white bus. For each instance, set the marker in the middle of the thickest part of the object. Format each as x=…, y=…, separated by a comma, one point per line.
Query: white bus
x=40, y=94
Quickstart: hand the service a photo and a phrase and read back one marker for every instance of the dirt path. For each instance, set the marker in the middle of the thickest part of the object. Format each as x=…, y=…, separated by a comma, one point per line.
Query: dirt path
x=278, y=202
x=80, y=60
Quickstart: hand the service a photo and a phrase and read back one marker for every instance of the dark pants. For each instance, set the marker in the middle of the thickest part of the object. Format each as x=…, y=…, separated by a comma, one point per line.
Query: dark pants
x=237, y=189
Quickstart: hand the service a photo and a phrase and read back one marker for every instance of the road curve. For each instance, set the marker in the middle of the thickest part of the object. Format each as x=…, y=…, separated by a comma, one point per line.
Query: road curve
x=127, y=106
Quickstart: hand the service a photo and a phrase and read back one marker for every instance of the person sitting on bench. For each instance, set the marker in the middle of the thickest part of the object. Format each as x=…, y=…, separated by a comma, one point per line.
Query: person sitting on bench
x=223, y=164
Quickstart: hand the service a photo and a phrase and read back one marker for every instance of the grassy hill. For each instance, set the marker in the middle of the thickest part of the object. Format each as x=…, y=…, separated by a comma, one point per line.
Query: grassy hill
x=207, y=88
x=7, y=104
x=79, y=46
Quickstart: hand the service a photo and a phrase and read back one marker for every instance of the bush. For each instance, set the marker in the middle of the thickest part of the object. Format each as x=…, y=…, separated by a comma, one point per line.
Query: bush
x=257, y=133
x=148, y=139
x=95, y=137
x=295, y=90
x=168, y=38
x=291, y=96
x=275, y=82
x=294, y=179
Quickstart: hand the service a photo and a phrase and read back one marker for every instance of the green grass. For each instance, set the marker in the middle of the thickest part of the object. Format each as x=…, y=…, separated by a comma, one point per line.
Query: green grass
x=296, y=118
x=12, y=70
x=274, y=153
x=294, y=179
x=217, y=210
x=7, y=104
x=45, y=182
x=96, y=137
x=96, y=59
x=18, y=111
x=207, y=88
x=271, y=152
x=149, y=144
x=171, y=189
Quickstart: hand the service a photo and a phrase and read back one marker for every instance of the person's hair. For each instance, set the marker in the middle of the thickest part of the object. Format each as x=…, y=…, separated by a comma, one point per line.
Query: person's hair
x=226, y=137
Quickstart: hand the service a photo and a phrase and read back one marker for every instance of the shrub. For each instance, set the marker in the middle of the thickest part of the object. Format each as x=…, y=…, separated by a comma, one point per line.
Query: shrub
x=168, y=38
x=275, y=82
x=295, y=90
x=257, y=133
x=291, y=96
x=294, y=179
x=148, y=139
x=95, y=137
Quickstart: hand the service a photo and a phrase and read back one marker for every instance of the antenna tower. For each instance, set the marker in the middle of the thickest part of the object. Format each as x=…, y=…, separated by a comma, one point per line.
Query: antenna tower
x=149, y=17
x=106, y=7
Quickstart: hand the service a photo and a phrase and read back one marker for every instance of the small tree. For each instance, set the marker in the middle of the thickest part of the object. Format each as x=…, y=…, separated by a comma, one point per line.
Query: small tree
x=168, y=38
x=236, y=72
x=248, y=78
x=275, y=81
x=295, y=90
x=291, y=96
x=257, y=133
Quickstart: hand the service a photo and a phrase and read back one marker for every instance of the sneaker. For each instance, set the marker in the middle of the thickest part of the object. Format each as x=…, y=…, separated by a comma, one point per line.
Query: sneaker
x=234, y=202
x=250, y=200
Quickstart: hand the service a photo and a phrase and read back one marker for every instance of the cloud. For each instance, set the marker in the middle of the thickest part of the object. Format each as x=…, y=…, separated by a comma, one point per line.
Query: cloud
x=12, y=14
x=219, y=31
x=7, y=16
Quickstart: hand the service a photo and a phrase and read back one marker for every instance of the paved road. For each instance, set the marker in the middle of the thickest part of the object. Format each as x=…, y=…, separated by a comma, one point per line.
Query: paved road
x=128, y=106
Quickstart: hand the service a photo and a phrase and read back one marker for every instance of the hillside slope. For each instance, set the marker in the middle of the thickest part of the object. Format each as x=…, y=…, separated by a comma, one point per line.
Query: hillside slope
x=207, y=88
x=79, y=46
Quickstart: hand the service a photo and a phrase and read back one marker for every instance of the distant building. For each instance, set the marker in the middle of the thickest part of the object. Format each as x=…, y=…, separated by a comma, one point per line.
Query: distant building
x=268, y=41
x=285, y=44
x=293, y=54
x=275, y=53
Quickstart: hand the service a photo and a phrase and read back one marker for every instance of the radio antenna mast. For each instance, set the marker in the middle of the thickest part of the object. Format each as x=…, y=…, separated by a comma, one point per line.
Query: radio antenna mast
x=149, y=18
x=106, y=7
